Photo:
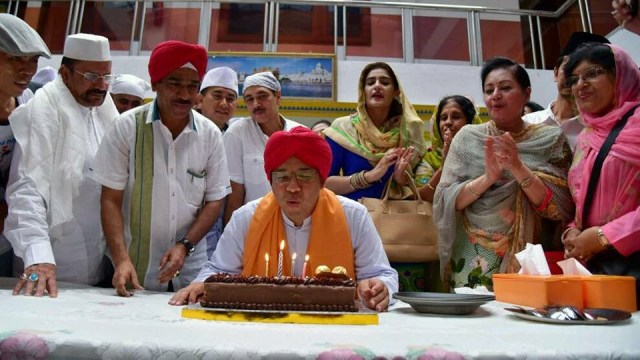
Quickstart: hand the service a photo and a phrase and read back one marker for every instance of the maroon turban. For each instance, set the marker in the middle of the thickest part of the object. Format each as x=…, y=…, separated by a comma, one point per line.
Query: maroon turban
x=302, y=143
x=169, y=56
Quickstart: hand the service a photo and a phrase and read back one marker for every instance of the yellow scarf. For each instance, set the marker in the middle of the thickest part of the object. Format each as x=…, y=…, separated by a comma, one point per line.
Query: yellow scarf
x=329, y=241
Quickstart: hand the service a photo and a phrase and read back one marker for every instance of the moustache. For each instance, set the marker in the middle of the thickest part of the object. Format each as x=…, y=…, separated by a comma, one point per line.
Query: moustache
x=97, y=92
x=183, y=102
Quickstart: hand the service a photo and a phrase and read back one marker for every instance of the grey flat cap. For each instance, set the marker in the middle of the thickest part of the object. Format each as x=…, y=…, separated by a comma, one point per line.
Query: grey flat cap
x=17, y=38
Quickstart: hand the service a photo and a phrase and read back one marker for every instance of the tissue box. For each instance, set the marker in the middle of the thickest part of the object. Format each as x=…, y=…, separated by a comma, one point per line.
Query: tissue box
x=597, y=291
x=610, y=292
x=538, y=290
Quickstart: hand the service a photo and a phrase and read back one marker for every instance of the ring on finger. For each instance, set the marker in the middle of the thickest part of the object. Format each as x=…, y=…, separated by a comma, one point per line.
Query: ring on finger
x=23, y=276
x=33, y=277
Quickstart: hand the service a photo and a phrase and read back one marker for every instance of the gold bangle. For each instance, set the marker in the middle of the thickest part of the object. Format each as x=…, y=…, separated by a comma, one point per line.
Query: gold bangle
x=603, y=239
x=431, y=187
x=470, y=188
x=526, y=182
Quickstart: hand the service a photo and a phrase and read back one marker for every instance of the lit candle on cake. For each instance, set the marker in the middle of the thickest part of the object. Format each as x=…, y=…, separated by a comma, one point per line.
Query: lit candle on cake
x=304, y=267
x=266, y=266
x=293, y=263
x=280, y=258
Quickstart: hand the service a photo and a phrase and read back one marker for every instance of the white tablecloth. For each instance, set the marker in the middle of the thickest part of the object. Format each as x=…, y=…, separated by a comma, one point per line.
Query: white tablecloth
x=88, y=323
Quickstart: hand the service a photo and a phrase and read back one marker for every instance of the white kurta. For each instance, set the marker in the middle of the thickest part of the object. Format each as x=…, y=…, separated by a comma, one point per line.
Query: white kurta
x=570, y=127
x=177, y=196
x=244, y=144
x=370, y=259
x=77, y=246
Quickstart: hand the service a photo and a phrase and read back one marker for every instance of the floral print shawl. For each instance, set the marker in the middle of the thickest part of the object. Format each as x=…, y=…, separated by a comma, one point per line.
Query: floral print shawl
x=502, y=219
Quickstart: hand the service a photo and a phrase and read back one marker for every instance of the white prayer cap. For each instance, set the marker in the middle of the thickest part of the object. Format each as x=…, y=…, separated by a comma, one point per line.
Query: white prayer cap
x=221, y=76
x=45, y=75
x=17, y=38
x=130, y=85
x=87, y=47
x=265, y=79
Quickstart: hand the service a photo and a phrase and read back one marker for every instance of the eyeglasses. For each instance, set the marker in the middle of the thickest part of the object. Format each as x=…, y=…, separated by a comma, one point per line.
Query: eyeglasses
x=302, y=176
x=93, y=77
x=588, y=75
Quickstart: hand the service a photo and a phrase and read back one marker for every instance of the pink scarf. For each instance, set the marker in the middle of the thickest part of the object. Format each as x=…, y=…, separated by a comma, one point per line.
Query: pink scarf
x=627, y=144
x=627, y=91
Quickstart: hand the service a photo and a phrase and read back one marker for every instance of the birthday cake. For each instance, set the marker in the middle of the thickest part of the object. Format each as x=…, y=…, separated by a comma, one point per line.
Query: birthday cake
x=323, y=292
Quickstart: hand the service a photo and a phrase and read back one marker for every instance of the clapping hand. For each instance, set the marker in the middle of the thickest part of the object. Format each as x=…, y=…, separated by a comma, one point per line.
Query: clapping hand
x=403, y=164
x=506, y=152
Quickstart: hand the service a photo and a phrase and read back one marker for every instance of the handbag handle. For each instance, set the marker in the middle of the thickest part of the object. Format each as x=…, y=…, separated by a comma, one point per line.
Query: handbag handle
x=412, y=186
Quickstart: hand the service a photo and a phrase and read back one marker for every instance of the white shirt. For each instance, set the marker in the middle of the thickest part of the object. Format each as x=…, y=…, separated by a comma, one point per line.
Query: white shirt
x=370, y=259
x=571, y=127
x=244, y=144
x=7, y=143
x=177, y=196
x=75, y=247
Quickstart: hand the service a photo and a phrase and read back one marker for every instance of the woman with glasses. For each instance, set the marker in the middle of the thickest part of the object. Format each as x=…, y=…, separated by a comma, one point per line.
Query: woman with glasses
x=605, y=82
x=500, y=180
x=378, y=142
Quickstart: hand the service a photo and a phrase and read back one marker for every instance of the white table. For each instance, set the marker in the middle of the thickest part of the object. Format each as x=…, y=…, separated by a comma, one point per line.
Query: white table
x=89, y=323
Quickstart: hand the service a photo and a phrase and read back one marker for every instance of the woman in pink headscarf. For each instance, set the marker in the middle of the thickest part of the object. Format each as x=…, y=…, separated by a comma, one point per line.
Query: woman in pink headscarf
x=606, y=231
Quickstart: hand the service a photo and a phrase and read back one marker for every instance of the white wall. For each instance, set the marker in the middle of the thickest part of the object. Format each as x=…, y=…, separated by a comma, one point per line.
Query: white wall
x=424, y=84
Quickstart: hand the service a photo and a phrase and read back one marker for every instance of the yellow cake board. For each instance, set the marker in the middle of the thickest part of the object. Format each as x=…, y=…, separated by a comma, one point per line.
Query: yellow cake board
x=362, y=317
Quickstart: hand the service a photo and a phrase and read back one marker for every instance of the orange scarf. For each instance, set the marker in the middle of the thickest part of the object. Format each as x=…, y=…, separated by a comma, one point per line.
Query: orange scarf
x=329, y=241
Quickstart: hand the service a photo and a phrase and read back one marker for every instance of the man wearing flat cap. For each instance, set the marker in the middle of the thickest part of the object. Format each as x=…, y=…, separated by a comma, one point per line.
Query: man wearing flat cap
x=127, y=91
x=332, y=230
x=562, y=111
x=164, y=175
x=54, y=209
x=20, y=49
x=244, y=141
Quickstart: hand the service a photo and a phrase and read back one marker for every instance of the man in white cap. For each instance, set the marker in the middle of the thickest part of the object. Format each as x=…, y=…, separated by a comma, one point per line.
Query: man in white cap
x=164, y=175
x=54, y=208
x=245, y=140
x=127, y=91
x=217, y=101
x=20, y=49
x=219, y=95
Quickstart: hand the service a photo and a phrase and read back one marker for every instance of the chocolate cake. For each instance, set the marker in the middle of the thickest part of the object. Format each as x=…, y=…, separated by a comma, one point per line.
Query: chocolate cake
x=326, y=292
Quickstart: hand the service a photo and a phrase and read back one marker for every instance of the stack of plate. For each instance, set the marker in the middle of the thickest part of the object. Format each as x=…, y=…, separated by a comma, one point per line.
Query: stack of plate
x=440, y=303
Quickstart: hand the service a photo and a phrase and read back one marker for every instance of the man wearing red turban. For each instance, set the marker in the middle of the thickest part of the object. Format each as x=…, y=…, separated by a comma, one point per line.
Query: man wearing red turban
x=166, y=164
x=332, y=230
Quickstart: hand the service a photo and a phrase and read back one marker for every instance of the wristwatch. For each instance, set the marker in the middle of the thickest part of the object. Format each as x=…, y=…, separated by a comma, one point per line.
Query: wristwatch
x=187, y=244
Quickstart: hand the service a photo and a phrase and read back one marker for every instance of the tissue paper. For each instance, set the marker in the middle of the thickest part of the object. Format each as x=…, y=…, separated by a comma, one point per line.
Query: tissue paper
x=532, y=261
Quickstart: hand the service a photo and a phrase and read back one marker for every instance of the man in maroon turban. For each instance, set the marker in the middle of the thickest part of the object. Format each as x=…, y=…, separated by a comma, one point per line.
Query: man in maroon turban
x=332, y=230
x=166, y=164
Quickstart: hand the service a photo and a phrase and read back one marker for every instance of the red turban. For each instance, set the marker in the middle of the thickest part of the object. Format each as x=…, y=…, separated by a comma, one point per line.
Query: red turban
x=302, y=143
x=169, y=56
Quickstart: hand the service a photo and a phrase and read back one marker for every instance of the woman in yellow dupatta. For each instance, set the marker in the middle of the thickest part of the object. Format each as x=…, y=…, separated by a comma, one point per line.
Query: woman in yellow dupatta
x=381, y=140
